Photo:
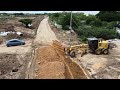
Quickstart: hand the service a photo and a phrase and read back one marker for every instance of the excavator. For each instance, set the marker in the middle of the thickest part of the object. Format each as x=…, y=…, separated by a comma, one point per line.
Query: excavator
x=94, y=45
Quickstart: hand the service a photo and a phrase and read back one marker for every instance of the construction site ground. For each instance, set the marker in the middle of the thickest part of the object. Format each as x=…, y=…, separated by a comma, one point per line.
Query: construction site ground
x=96, y=66
x=14, y=60
x=103, y=66
x=43, y=57
x=50, y=61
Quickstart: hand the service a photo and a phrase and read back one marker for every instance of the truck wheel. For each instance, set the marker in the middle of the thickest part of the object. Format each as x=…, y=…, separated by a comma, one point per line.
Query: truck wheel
x=72, y=54
x=105, y=51
x=98, y=51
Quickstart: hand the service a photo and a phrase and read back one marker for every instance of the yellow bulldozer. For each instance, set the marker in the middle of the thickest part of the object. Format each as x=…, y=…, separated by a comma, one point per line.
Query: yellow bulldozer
x=97, y=46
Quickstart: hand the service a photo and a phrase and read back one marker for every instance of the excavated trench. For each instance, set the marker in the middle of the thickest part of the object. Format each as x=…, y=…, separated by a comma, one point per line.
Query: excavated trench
x=53, y=64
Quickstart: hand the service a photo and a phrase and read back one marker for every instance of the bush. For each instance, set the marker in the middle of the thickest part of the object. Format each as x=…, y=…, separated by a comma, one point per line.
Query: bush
x=80, y=23
x=26, y=21
x=96, y=23
x=84, y=39
x=110, y=25
x=104, y=23
x=64, y=20
x=108, y=16
x=104, y=33
x=90, y=18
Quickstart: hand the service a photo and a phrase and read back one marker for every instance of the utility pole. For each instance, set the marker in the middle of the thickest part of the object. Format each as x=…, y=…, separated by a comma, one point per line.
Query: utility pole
x=71, y=21
x=117, y=27
x=70, y=26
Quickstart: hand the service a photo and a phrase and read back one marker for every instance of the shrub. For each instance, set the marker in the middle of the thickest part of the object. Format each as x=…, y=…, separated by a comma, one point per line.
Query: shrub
x=111, y=25
x=92, y=26
x=104, y=33
x=90, y=18
x=26, y=21
x=96, y=23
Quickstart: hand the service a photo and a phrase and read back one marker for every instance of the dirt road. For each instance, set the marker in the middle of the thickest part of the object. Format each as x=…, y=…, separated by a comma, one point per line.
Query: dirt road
x=44, y=33
x=52, y=68
x=49, y=61
x=43, y=37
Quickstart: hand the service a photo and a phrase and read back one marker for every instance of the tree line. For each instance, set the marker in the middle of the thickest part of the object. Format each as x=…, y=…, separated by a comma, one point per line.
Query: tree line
x=101, y=25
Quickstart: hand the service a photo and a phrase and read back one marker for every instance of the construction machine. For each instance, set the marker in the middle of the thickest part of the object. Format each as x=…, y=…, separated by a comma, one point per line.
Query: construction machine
x=76, y=49
x=97, y=46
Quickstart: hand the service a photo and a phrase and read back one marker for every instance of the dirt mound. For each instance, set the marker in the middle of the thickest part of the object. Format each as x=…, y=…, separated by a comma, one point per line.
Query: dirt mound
x=47, y=54
x=52, y=63
x=49, y=63
x=52, y=70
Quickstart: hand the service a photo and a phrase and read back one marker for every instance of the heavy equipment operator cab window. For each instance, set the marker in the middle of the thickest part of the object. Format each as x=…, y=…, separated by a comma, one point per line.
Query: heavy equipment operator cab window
x=93, y=43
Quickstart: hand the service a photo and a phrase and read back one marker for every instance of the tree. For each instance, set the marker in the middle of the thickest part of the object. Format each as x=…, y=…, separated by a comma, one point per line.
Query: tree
x=108, y=16
x=96, y=22
x=90, y=18
x=18, y=14
x=26, y=21
x=64, y=20
x=98, y=32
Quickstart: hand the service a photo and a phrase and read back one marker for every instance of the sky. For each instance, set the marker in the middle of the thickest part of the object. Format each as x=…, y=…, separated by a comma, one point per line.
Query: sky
x=85, y=12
